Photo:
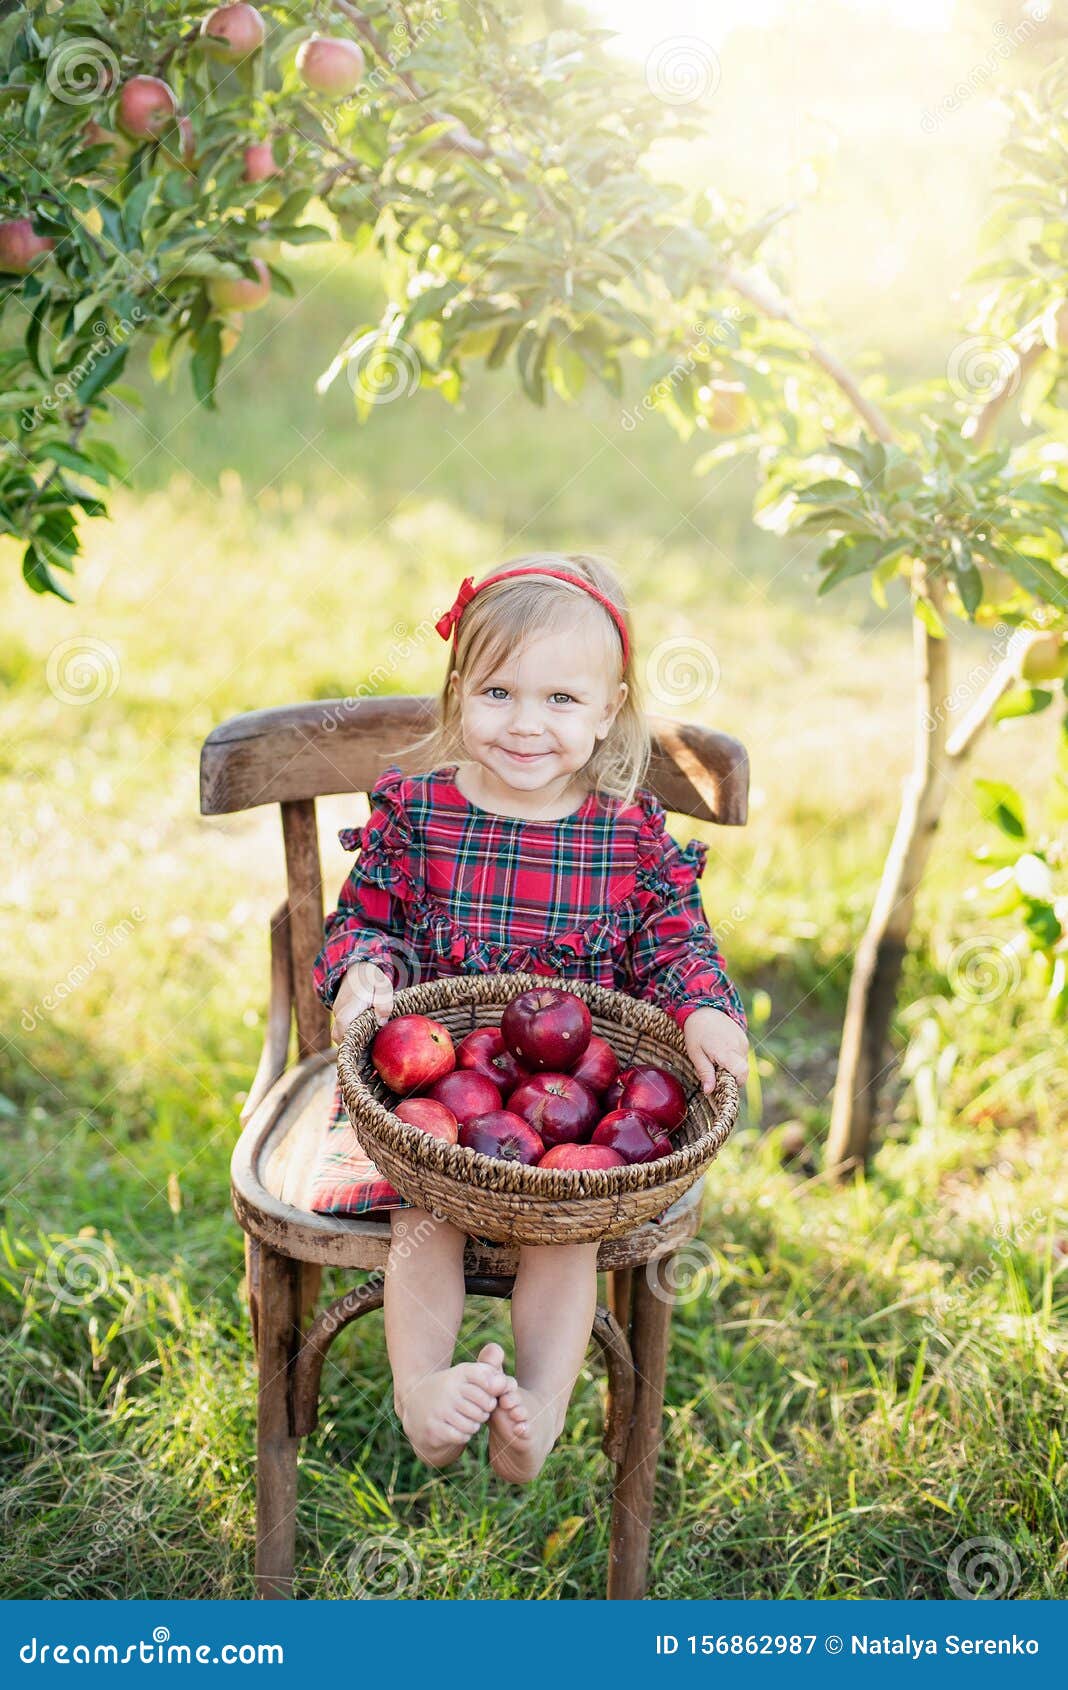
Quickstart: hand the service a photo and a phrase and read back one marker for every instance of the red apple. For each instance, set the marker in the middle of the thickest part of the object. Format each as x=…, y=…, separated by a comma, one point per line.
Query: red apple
x=547, y=1029
x=20, y=248
x=95, y=135
x=597, y=1067
x=501, y=1133
x=146, y=106
x=260, y=162
x=412, y=1051
x=232, y=32
x=582, y=1156
x=466, y=1093
x=430, y=1117
x=652, y=1090
x=557, y=1106
x=329, y=64
x=484, y=1051
x=635, y=1135
x=241, y=293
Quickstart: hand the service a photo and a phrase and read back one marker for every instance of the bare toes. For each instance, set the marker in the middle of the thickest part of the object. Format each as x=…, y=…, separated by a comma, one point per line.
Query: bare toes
x=477, y=1401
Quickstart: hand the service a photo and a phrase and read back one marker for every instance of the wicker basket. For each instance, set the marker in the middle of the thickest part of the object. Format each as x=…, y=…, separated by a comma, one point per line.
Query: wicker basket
x=509, y=1201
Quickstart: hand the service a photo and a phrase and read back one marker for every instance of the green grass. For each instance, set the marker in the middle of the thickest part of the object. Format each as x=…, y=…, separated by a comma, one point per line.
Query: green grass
x=861, y=1381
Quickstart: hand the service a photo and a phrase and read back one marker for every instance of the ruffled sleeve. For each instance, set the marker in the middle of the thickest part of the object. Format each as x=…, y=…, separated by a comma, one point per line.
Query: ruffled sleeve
x=673, y=957
x=369, y=922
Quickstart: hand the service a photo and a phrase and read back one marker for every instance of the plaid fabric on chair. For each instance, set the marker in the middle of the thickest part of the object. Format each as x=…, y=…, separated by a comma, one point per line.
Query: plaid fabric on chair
x=346, y=1180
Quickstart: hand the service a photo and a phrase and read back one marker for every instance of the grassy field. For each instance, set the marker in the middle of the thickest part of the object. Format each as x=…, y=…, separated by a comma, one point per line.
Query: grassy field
x=862, y=1382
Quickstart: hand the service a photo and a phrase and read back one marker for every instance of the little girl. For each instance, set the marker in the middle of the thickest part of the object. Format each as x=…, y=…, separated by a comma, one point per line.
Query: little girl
x=531, y=846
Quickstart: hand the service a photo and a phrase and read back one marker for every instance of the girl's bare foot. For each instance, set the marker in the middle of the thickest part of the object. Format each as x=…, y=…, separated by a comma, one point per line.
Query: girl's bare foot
x=442, y=1412
x=523, y=1428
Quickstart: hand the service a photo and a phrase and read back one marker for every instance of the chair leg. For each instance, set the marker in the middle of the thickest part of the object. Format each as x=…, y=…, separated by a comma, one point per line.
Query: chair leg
x=619, y=1294
x=278, y=1339
x=252, y=1285
x=632, y=1498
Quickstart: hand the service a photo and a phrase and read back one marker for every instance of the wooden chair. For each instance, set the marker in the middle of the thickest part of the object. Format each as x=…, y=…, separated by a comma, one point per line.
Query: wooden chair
x=291, y=756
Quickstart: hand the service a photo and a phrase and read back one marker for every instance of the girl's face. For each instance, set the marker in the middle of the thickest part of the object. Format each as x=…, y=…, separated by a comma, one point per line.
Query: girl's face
x=534, y=721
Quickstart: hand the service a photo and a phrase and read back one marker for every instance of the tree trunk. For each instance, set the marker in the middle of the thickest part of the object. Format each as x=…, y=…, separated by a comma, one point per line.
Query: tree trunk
x=877, y=969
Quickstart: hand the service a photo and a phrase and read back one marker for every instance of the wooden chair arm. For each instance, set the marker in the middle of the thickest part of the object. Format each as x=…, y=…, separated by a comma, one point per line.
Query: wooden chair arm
x=272, y=1064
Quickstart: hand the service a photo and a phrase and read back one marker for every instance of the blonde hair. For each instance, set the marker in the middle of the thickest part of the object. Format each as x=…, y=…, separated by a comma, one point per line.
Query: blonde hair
x=497, y=622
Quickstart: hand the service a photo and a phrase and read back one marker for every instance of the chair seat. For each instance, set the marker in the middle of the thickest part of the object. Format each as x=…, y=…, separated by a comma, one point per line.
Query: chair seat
x=273, y=1167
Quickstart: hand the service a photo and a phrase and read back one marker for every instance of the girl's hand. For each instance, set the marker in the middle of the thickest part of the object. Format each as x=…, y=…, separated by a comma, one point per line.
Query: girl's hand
x=714, y=1040
x=364, y=984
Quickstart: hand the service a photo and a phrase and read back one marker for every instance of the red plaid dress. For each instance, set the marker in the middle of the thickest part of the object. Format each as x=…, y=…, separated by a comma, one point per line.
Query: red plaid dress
x=443, y=887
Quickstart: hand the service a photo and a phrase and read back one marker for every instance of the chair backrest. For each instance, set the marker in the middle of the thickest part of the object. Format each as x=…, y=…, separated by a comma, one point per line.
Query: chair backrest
x=293, y=755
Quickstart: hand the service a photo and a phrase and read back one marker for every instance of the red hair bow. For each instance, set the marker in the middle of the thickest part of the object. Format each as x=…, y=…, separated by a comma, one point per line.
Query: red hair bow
x=445, y=624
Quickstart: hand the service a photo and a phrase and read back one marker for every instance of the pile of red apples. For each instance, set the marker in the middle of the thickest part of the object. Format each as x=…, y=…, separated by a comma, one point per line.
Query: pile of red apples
x=541, y=1088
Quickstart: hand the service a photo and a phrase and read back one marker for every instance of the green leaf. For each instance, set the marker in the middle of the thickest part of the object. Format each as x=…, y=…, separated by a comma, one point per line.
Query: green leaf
x=103, y=452
x=566, y=370
x=207, y=356
x=502, y=345
x=530, y=360
x=1042, y=922
x=819, y=492
x=846, y=558
x=281, y=281
x=38, y=341
x=1021, y=701
x=302, y=234
x=1036, y=575
x=969, y=583
x=928, y=615
x=101, y=373
x=159, y=359
x=76, y=461
x=135, y=207
x=1001, y=804
x=851, y=456
x=37, y=573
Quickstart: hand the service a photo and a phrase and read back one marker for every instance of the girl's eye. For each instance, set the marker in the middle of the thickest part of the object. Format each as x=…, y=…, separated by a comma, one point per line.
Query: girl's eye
x=564, y=695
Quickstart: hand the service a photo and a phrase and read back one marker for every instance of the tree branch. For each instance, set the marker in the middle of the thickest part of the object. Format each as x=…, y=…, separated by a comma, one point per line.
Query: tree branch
x=460, y=139
x=978, y=429
x=767, y=298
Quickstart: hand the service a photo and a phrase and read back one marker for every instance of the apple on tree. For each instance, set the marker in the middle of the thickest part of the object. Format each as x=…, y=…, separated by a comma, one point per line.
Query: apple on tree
x=330, y=64
x=1046, y=658
x=146, y=106
x=20, y=248
x=260, y=162
x=233, y=32
x=243, y=293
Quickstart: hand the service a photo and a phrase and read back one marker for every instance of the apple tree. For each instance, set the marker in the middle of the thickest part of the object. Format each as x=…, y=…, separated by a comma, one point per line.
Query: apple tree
x=158, y=161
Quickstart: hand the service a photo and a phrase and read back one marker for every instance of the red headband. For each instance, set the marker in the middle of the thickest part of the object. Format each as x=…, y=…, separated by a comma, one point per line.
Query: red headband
x=449, y=623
